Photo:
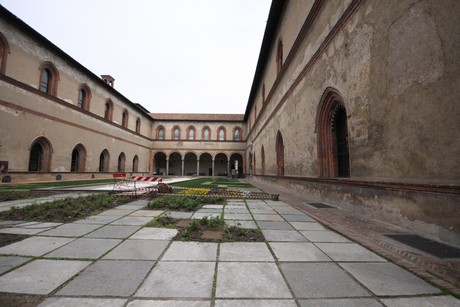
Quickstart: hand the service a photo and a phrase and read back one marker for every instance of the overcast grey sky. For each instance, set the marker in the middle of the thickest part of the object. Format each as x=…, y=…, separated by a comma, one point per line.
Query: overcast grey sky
x=174, y=56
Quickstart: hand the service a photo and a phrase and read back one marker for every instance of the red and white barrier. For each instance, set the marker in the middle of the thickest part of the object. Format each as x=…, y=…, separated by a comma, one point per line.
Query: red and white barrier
x=146, y=179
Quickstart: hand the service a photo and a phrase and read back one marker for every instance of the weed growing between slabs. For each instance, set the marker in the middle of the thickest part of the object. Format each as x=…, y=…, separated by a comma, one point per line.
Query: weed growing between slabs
x=182, y=203
x=65, y=210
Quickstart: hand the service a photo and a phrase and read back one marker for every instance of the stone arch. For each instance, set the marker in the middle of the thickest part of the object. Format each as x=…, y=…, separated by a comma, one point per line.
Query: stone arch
x=108, y=110
x=239, y=172
x=221, y=165
x=205, y=168
x=331, y=128
x=206, y=133
x=49, y=77
x=279, y=154
x=121, y=165
x=191, y=133
x=84, y=97
x=78, y=160
x=159, y=163
x=190, y=164
x=135, y=168
x=104, y=160
x=40, y=155
x=175, y=164
x=160, y=132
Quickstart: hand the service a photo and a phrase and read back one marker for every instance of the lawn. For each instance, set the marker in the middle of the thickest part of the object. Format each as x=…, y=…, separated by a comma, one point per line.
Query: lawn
x=212, y=183
x=54, y=184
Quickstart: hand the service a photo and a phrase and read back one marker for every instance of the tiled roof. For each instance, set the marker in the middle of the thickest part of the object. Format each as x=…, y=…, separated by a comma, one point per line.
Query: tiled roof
x=201, y=117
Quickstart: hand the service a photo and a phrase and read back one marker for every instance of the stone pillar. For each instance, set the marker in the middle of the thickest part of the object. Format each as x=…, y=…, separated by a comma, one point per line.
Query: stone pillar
x=198, y=167
x=228, y=168
x=182, y=170
x=167, y=166
x=152, y=163
x=213, y=168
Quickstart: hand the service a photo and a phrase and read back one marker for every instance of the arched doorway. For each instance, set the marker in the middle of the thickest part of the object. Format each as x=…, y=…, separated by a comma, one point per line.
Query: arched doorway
x=77, y=163
x=332, y=136
x=190, y=164
x=121, y=162
x=205, y=164
x=236, y=163
x=159, y=163
x=175, y=164
x=221, y=165
x=40, y=155
x=104, y=159
x=279, y=154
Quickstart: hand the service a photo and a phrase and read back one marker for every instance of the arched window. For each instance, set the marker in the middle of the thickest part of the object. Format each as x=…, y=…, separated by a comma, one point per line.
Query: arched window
x=206, y=133
x=138, y=125
x=4, y=50
x=262, y=157
x=104, y=159
x=279, y=154
x=237, y=134
x=135, y=164
x=121, y=166
x=332, y=130
x=279, y=56
x=176, y=133
x=40, y=155
x=77, y=163
x=160, y=133
x=124, y=118
x=191, y=134
x=108, y=110
x=84, y=97
x=48, y=78
x=221, y=134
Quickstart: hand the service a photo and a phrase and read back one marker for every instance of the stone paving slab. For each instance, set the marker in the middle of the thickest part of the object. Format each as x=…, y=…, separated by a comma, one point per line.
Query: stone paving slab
x=201, y=215
x=151, y=213
x=84, y=248
x=151, y=233
x=178, y=214
x=21, y=231
x=213, y=206
x=131, y=206
x=307, y=226
x=274, y=225
x=234, y=206
x=117, y=212
x=348, y=252
x=267, y=210
x=388, y=279
x=428, y=301
x=179, y=280
x=108, y=278
x=209, y=210
x=288, y=211
x=132, y=220
x=324, y=236
x=283, y=236
x=97, y=219
x=113, y=232
x=138, y=250
x=237, y=280
x=255, y=303
x=341, y=302
x=168, y=303
x=35, y=246
x=7, y=223
x=297, y=218
x=238, y=216
x=317, y=280
x=30, y=277
x=137, y=202
x=38, y=225
x=191, y=251
x=245, y=251
x=82, y=302
x=288, y=251
x=241, y=210
x=268, y=217
x=242, y=224
x=9, y=262
x=71, y=230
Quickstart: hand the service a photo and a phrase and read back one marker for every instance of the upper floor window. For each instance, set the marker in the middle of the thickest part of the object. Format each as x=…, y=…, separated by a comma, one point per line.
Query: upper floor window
x=237, y=134
x=221, y=134
x=4, y=50
x=279, y=56
x=84, y=97
x=108, y=110
x=191, y=133
x=138, y=125
x=161, y=133
x=124, y=118
x=176, y=133
x=48, y=78
x=206, y=133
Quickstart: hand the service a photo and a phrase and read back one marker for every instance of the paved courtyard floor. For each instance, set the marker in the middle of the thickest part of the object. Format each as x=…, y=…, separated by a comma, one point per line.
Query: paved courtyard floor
x=111, y=259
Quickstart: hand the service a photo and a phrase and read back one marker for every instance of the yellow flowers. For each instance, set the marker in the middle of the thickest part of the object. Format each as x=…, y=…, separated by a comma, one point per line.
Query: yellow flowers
x=195, y=191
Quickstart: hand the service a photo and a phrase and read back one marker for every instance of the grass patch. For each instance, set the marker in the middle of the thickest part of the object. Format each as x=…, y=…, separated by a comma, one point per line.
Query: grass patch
x=162, y=222
x=64, y=210
x=182, y=203
x=199, y=183
x=40, y=185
